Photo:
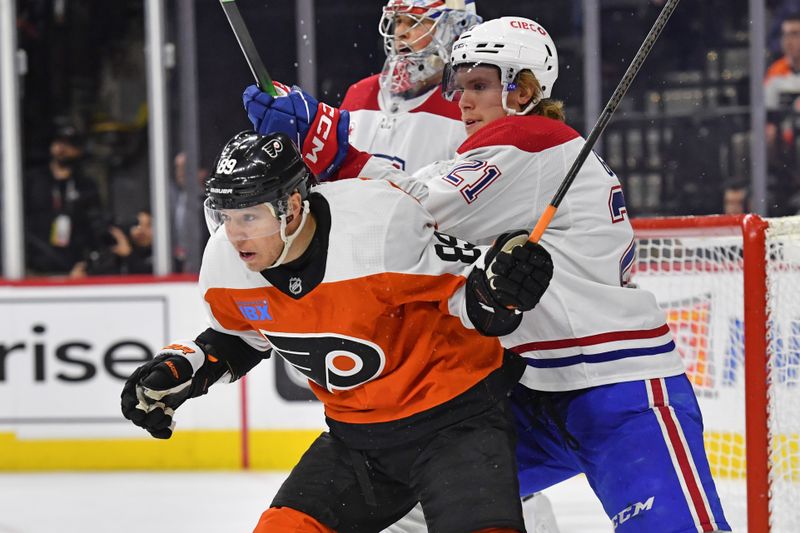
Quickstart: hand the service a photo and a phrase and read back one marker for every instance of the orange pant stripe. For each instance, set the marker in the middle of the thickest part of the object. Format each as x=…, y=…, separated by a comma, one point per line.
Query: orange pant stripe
x=287, y=520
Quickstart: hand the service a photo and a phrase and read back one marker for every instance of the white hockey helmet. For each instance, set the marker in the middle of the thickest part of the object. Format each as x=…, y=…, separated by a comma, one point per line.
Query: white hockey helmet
x=512, y=44
x=407, y=73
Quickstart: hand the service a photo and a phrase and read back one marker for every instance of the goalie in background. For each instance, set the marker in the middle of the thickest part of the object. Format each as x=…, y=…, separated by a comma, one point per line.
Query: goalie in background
x=414, y=383
x=406, y=96
x=604, y=392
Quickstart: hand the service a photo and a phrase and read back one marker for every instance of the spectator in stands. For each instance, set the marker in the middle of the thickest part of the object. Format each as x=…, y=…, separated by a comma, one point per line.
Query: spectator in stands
x=179, y=200
x=779, y=10
x=179, y=195
x=124, y=249
x=782, y=98
x=61, y=206
x=736, y=197
x=782, y=82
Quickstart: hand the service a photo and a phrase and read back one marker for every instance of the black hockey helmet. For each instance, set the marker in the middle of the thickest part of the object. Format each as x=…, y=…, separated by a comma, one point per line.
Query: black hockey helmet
x=253, y=169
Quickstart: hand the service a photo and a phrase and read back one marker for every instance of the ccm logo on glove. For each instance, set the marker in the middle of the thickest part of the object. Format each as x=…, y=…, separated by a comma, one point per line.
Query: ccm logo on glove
x=317, y=142
x=319, y=130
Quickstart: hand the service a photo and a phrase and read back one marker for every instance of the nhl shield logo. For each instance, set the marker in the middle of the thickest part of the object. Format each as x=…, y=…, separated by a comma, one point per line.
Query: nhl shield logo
x=295, y=285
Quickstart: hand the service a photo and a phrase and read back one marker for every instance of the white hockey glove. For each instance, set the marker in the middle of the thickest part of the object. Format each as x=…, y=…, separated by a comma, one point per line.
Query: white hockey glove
x=178, y=372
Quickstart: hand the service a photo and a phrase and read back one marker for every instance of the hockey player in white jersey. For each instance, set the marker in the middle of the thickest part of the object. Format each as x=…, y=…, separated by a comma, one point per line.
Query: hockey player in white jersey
x=605, y=392
x=415, y=413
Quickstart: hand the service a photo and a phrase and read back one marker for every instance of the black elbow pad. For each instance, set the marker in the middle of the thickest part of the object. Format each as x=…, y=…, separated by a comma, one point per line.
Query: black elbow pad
x=238, y=356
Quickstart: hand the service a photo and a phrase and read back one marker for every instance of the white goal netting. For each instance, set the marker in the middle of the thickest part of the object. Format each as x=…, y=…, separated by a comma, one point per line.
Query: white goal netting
x=697, y=271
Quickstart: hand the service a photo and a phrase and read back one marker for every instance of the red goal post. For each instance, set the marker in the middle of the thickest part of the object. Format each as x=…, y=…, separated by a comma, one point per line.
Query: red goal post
x=730, y=286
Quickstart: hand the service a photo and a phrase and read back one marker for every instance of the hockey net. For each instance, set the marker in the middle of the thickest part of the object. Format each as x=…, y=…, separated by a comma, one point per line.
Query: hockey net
x=730, y=286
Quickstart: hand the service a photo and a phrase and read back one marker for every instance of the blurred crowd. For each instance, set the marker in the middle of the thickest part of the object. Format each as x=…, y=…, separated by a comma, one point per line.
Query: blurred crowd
x=69, y=230
x=86, y=179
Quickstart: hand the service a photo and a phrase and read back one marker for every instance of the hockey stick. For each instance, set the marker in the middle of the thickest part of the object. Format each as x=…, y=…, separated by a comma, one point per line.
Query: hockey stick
x=605, y=116
x=248, y=47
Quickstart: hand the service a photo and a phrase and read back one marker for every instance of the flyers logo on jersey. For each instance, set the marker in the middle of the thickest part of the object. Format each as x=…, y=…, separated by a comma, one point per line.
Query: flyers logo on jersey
x=334, y=362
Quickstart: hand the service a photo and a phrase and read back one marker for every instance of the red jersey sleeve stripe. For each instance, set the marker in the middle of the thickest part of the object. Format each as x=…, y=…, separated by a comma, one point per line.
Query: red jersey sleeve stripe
x=592, y=340
x=352, y=164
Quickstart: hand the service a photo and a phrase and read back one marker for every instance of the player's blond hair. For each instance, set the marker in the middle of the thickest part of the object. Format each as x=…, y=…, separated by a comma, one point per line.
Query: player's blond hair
x=548, y=107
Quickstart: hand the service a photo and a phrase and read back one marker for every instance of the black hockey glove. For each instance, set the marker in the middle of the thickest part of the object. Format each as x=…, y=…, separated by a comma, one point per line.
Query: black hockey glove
x=178, y=372
x=517, y=273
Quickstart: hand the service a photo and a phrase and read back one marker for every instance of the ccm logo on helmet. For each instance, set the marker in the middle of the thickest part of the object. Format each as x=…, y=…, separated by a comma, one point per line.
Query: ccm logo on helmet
x=324, y=123
x=523, y=25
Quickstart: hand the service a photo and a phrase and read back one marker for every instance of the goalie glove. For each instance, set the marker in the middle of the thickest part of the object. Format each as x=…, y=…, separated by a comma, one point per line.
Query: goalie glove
x=320, y=131
x=517, y=274
x=178, y=372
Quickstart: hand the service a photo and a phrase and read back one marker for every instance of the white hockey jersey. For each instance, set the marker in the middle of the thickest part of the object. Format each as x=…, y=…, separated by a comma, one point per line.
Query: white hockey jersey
x=377, y=321
x=411, y=133
x=589, y=328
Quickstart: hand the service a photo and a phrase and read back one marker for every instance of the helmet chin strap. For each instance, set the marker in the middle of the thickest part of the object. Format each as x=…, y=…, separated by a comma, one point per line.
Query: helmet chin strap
x=288, y=239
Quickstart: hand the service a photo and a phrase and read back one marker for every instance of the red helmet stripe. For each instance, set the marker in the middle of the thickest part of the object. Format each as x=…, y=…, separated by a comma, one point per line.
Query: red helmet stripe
x=401, y=7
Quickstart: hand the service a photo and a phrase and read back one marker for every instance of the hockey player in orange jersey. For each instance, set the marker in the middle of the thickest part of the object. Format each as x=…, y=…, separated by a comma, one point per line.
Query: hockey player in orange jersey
x=393, y=324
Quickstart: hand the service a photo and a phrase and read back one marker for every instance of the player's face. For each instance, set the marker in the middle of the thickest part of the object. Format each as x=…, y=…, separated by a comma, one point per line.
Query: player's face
x=480, y=96
x=255, y=234
x=412, y=34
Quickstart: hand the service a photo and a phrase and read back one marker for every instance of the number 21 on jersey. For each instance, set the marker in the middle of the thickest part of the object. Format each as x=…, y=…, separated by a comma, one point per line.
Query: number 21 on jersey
x=472, y=178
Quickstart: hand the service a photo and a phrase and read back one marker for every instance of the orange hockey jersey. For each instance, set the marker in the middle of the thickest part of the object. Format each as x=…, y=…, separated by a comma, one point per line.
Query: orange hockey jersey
x=374, y=313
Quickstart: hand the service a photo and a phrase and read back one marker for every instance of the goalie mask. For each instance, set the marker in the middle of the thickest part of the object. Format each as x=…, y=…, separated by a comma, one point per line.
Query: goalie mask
x=512, y=44
x=417, y=37
x=248, y=193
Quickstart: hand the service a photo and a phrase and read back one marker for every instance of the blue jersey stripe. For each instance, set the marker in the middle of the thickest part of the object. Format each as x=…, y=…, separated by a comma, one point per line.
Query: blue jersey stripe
x=602, y=357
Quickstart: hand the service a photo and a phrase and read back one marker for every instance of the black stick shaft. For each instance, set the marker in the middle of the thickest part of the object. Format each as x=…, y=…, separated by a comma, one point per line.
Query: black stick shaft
x=616, y=98
x=248, y=47
x=605, y=117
